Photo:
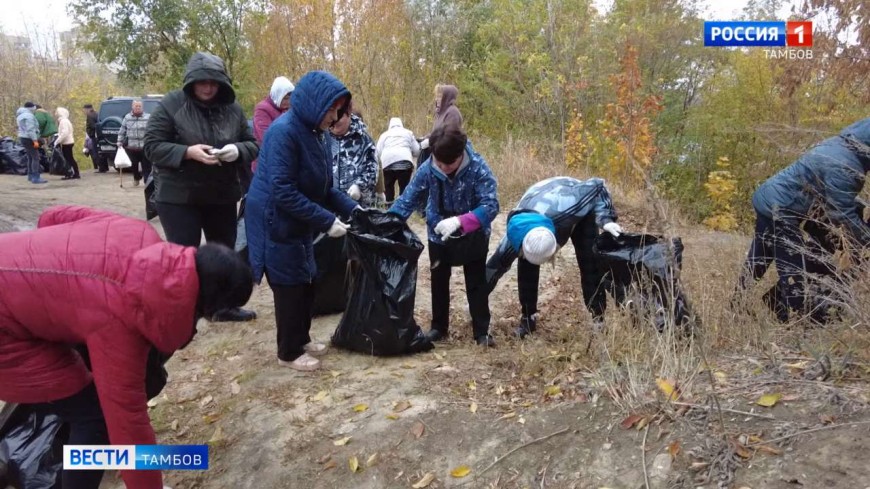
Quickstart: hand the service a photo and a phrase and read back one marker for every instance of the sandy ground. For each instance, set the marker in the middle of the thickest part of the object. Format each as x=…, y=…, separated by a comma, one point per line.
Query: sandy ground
x=403, y=418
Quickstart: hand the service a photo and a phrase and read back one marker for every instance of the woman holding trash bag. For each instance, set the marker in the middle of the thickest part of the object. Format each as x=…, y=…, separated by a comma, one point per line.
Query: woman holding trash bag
x=65, y=142
x=198, y=140
x=135, y=293
x=549, y=213
x=459, y=192
x=821, y=186
x=290, y=203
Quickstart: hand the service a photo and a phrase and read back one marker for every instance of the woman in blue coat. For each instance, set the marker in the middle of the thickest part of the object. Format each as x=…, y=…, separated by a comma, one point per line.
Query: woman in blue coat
x=291, y=201
x=459, y=193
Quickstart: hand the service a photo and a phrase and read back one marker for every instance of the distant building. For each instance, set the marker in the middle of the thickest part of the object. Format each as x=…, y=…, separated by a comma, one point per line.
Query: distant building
x=18, y=42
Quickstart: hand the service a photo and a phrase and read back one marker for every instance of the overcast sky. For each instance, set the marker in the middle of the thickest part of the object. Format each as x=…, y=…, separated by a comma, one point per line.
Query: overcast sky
x=43, y=15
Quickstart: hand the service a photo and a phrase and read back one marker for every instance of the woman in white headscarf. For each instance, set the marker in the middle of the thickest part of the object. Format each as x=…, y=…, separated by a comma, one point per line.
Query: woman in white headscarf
x=270, y=108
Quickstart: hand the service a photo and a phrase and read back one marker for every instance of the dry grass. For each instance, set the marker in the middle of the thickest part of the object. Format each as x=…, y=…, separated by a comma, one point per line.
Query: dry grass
x=625, y=360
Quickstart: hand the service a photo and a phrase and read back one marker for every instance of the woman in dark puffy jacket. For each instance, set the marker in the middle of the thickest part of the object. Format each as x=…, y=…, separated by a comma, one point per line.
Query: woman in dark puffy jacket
x=291, y=202
x=198, y=140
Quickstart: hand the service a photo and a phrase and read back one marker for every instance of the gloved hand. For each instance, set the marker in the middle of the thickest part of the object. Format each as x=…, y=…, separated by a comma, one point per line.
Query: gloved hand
x=354, y=192
x=228, y=153
x=613, y=228
x=338, y=229
x=424, y=144
x=448, y=226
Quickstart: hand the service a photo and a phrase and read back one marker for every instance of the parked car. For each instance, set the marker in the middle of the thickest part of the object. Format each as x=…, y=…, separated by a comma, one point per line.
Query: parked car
x=111, y=113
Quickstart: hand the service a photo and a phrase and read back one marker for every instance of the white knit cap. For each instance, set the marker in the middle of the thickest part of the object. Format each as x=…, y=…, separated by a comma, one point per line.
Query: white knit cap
x=539, y=245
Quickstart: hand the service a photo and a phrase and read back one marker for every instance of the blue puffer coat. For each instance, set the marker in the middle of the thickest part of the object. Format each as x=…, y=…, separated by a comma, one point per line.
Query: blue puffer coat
x=830, y=175
x=291, y=197
x=472, y=189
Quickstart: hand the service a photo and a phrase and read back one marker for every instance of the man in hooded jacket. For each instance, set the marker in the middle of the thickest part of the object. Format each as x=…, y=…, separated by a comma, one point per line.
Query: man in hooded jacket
x=196, y=140
x=822, y=185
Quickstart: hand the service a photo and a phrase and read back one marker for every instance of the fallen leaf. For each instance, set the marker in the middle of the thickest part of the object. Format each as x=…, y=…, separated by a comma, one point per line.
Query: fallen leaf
x=696, y=466
x=418, y=429
x=393, y=416
x=407, y=366
x=670, y=391
x=334, y=373
x=769, y=400
x=206, y=401
x=174, y=425
x=509, y=415
x=522, y=420
x=218, y=436
x=151, y=403
x=360, y=408
x=720, y=376
x=630, y=421
x=341, y=441
x=211, y=418
x=373, y=459
x=553, y=390
x=472, y=385
x=235, y=388
x=401, y=406
x=473, y=407
x=641, y=424
x=439, y=356
x=330, y=465
x=322, y=460
x=742, y=451
x=354, y=464
x=674, y=449
x=768, y=450
x=499, y=390
x=826, y=418
x=320, y=396
x=460, y=471
x=425, y=481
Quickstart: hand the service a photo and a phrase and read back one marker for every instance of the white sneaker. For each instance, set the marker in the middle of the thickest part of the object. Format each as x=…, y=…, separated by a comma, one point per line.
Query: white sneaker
x=305, y=363
x=315, y=349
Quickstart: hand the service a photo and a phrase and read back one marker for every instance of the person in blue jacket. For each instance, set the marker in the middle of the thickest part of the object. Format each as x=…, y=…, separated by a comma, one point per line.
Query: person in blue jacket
x=459, y=193
x=549, y=213
x=291, y=201
x=821, y=186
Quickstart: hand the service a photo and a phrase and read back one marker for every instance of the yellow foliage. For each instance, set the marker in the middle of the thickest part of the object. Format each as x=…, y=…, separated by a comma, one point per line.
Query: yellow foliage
x=721, y=187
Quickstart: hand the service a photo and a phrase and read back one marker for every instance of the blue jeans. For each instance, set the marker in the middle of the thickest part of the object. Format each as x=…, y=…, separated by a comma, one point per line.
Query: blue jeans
x=32, y=159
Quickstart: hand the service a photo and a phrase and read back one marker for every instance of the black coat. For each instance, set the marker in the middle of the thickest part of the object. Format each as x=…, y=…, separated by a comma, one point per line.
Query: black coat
x=181, y=121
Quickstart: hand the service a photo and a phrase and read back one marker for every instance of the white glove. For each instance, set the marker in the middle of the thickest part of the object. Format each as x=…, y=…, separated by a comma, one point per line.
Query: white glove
x=424, y=144
x=338, y=229
x=613, y=228
x=228, y=153
x=447, y=227
x=354, y=192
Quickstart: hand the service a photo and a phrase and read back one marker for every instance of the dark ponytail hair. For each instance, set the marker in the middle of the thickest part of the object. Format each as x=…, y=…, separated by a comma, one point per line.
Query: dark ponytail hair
x=225, y=280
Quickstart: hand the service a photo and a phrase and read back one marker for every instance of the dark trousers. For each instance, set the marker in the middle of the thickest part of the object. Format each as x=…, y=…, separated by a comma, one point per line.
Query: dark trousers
x=778, y=240
x=293, y=318
x=32, y=159
x=591, y=274
x=184, y=224
x=476, y=292
x=87, y=427
x=137, y=157
x=391, y=177
x=67, y=150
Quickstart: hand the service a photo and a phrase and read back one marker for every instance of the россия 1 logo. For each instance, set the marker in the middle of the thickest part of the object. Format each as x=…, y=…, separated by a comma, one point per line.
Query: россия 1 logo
x=768, y=34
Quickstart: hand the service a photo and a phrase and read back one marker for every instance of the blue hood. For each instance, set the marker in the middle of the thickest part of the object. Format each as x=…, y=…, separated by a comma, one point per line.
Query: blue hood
x=314, y=94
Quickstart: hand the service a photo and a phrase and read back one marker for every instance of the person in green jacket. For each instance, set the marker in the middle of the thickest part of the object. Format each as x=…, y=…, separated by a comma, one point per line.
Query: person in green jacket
x=47, y=124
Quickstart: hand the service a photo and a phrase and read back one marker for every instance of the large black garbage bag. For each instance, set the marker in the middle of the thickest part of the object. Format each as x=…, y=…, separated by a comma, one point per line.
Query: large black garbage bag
x=13, y=157
x=32, y=451
x=58, y=164
x=332, y=284
x=379, y=319
x=642, y=272
x=150, y=205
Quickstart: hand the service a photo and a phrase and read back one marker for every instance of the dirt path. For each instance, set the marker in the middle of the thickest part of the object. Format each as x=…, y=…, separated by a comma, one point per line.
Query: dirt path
x=402, y=418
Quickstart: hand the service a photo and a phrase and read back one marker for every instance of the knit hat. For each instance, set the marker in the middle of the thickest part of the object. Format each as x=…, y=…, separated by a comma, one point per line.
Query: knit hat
x=29, y=105
x=539, y=245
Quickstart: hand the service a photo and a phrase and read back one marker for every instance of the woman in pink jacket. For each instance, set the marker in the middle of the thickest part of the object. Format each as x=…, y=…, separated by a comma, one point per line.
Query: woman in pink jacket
x=270, y=108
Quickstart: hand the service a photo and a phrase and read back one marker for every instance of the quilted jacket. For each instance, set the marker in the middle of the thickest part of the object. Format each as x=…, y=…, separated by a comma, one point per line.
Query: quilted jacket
x=59, y=290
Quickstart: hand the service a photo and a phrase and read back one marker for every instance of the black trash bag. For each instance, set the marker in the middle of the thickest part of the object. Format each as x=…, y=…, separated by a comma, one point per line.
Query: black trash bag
x=58, y=164
x=13, y=157
x=642, y=274
x=32, y=452
x=332, y=283
x=150, y=205
x=379, y=319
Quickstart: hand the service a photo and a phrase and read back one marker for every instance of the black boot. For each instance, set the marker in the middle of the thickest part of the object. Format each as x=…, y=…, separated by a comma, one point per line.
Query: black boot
x=528, y=325
x=434, y=335
x=485, y=340
x=236, y=314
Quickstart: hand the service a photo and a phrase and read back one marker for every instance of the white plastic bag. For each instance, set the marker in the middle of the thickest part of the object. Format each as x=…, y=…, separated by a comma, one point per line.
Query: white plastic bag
x=122, y=160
